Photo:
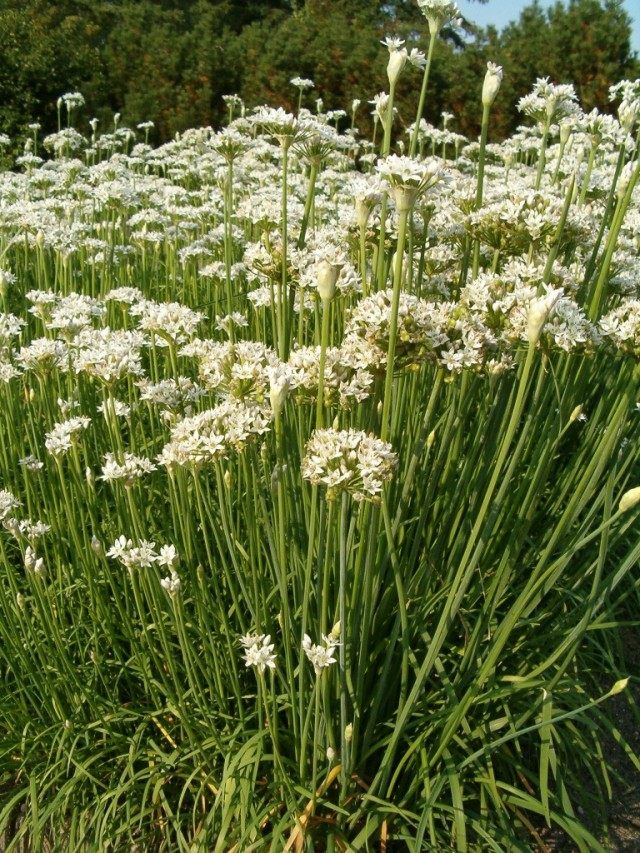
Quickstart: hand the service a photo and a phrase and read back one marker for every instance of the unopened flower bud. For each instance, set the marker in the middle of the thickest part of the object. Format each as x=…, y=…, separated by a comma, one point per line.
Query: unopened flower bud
x=397, y=61
x=348, y=732
x=491, y=85
x=624, y=179
x=20, y=600
x=363, y=212
x=629, y=499
x=627, y=115
x=228, y=479
x=565, y=132
x=331, y=754
x=327, y=277
x=575, y=414
x=278, y=393
x=96, y=546
x=335, y=631
x=431, y=438
x=539, y=312
x=619, y=686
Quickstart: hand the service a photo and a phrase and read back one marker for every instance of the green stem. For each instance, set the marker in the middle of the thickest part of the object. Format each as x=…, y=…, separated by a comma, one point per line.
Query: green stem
x=423, y=95
x=393, y=325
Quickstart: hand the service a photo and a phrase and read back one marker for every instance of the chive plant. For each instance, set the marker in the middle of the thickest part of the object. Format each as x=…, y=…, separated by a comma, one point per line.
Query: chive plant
x=318, y=480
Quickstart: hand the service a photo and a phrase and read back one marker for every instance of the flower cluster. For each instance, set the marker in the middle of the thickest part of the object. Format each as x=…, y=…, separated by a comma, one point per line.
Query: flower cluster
x=65, y=435
x=348, y=461
x=321, y=655
x=408, y=179
x=258, y=651
x=128, y=468
x=142, y=555
x=549, y=102
x=212, y=434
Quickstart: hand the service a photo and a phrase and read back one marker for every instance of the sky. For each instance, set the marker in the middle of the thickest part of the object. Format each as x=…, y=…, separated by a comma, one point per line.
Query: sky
x=501, y=12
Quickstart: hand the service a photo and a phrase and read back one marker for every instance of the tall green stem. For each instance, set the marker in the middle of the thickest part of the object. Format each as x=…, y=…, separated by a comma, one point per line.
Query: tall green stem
x=282, y=296
x=423, y=95
x=542, y=159
x=480, y=183
x=393, y=325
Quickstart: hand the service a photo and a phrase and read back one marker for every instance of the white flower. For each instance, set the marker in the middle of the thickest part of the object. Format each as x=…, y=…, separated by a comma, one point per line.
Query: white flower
x=133, y=556
x=64, y=435
x=213, y=433
x=168, y=556
x=8, y=502
x=128, y=467
x=321, y=656
x=114, y=408
x=302, y=83
x=258, y=651
x=417, y=58
x=348, y=460
x=408, y=179
x=171, y=584
x=439, y=13
x=548, y=102
x=31, y=463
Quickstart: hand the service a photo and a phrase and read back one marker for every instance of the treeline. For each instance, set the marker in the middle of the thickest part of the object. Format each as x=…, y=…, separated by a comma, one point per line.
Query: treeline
x=172, y=60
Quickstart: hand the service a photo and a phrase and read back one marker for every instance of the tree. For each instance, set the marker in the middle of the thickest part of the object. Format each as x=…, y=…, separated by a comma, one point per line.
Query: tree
x=172, y=60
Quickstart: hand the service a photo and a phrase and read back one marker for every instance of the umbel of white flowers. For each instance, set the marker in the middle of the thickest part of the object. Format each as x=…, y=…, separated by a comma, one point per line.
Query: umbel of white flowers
x=439, y=13
x=407, y=179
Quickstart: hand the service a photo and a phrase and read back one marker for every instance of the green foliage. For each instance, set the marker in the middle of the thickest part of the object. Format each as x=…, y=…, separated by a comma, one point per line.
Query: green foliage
x=171, y=61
